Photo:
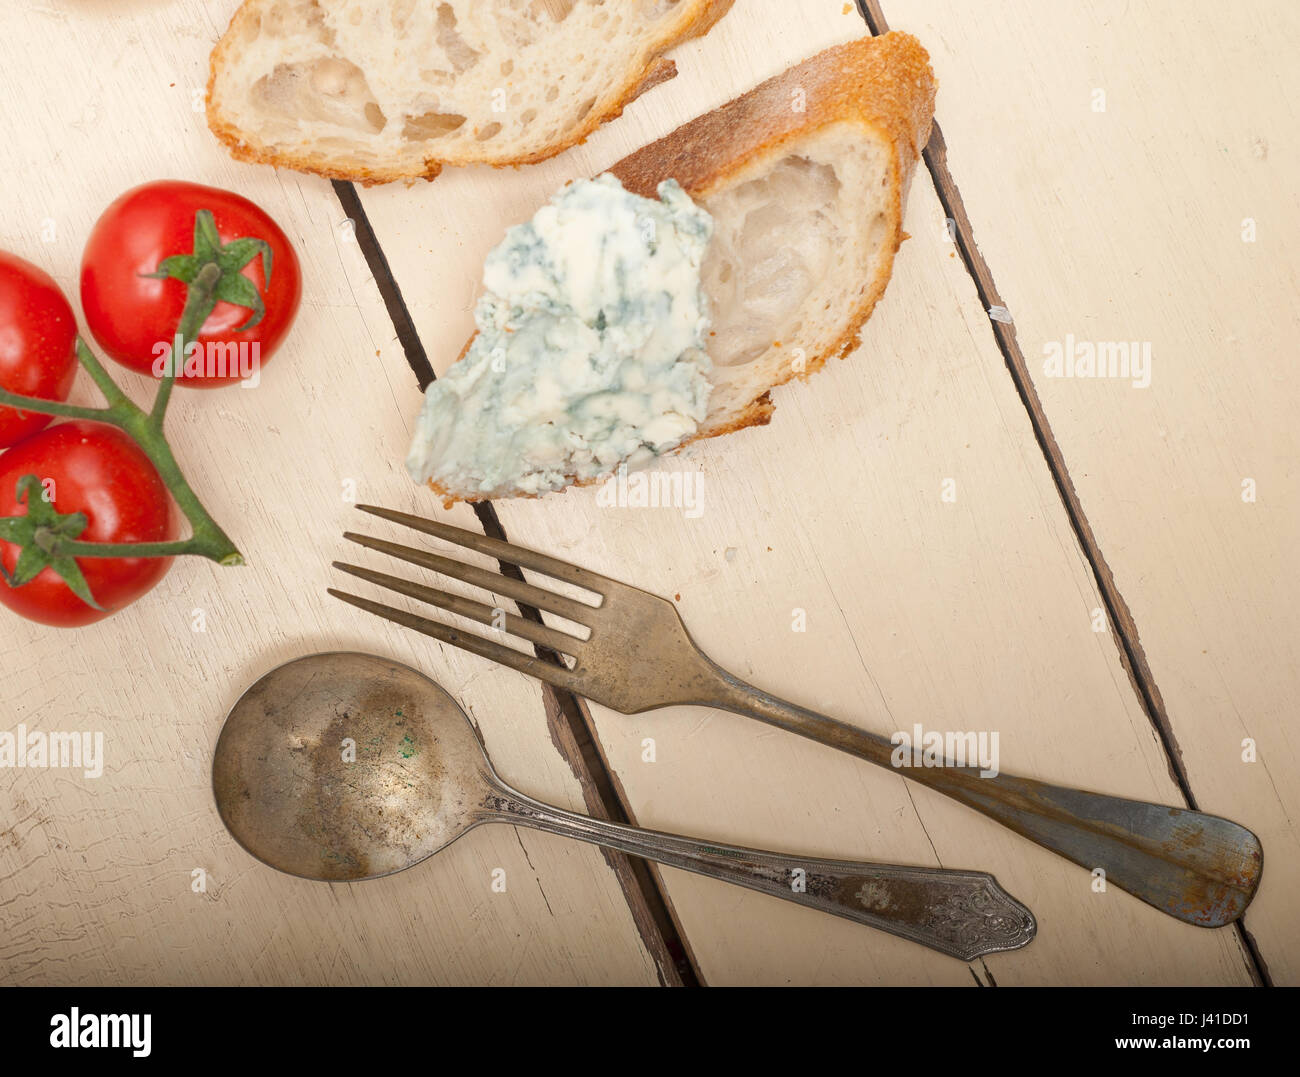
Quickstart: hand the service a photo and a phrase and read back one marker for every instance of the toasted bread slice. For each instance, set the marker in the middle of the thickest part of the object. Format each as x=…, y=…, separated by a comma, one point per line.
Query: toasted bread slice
x=381, y=90
x=805, y=177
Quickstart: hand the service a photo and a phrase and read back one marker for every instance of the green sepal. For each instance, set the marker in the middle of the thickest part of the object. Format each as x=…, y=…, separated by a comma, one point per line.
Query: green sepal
x=181, y=267
x=68, y=568
x=37, y=533
x=239, y=252
x=232, y=286
x=238, y=289
x=207, y=242
x=31, y=563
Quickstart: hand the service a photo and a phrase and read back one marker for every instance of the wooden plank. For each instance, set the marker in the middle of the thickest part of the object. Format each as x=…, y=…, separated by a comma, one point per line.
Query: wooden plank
x=1147, y=142
x=974, y=614
x=95, y=874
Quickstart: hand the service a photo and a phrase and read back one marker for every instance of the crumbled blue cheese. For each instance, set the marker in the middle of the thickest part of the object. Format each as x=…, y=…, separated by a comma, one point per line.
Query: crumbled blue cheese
x=590, y=350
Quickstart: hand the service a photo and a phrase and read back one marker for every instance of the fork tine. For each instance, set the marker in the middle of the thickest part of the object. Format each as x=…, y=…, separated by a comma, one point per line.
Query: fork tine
x=559, y=676
x=566, y=607
x=502, y=551
x=475, y=611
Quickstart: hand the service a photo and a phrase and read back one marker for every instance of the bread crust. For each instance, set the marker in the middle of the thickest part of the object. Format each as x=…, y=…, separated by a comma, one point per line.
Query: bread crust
x=654, y=70
x=883, y=84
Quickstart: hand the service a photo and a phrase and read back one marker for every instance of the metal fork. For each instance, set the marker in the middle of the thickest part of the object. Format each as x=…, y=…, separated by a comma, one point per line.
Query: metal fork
x=1195, y=867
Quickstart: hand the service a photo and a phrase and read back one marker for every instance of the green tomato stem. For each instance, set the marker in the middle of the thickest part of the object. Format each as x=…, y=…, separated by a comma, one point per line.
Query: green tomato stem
x=207, y=538
x=200, y=301
x=53, y=407
x=76, y=548
x=88, y=359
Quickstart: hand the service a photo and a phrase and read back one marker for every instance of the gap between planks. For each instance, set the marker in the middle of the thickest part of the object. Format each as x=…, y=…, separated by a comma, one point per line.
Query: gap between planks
x=1131, y=654
x=567, y=716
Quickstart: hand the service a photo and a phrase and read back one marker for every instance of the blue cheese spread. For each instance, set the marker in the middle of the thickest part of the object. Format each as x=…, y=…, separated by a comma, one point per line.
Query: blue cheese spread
x=590, y=347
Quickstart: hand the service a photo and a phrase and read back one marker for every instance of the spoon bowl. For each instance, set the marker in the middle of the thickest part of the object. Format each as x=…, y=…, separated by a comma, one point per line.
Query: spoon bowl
x=344, y=766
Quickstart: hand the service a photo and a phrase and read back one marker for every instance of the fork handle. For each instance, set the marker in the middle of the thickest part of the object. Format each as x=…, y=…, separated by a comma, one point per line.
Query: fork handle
x=964, y=914
x=1198, y=868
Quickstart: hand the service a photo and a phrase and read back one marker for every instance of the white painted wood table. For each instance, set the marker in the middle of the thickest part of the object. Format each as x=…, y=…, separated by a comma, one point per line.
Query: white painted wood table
x=935, y=531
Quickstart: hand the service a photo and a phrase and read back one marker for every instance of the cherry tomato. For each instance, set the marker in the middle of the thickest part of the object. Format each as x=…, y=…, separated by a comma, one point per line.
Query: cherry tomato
x=133, y=316
x=96, y=469
x=38, y=344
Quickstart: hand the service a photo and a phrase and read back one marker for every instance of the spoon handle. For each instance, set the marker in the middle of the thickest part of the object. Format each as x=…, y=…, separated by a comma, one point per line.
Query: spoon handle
x=964, y=914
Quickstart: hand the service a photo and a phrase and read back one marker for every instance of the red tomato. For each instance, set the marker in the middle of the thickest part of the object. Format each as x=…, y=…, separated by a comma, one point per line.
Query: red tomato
x=132, y=316
x=96, y=469
x=38, y=344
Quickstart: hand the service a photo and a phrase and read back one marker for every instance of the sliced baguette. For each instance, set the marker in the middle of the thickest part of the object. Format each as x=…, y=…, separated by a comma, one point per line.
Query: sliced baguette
x=381, y=90
x=806, y=177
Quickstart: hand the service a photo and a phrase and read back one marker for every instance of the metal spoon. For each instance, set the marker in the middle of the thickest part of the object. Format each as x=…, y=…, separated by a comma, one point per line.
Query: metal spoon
x=345, y=766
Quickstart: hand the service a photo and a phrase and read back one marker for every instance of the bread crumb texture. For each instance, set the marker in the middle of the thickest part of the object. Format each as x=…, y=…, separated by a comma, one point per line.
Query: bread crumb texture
x=382, y=90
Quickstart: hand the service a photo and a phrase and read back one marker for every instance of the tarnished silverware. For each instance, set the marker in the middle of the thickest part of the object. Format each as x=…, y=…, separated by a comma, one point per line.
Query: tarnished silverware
x=346, y=766
x=1195, y=867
